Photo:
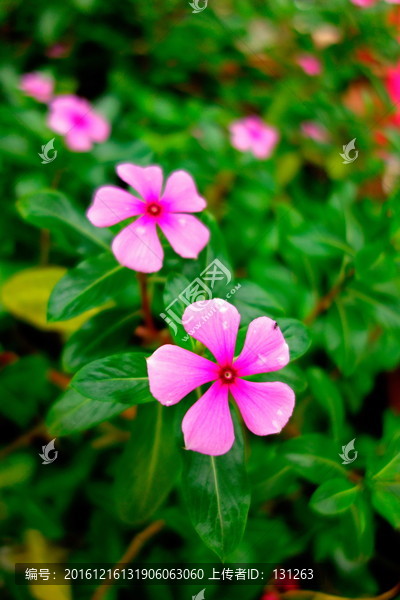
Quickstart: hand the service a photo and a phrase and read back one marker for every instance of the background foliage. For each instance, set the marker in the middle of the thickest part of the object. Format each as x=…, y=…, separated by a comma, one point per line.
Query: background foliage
x=308, y=238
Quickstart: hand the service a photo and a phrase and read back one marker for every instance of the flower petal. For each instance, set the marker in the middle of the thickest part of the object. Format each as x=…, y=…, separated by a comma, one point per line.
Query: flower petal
x=264, y=349
x=265, y=407
x=175, y=372
x=147, y=181
x=207, y=426
x=98, y=127
x=111, y=205
x=180, y=194
x=138, y=247
x=78, y=141
x=215, y=324
x=186, y=234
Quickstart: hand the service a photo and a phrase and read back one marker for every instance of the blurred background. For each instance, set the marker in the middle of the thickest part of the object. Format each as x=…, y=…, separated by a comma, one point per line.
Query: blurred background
x=311, y=235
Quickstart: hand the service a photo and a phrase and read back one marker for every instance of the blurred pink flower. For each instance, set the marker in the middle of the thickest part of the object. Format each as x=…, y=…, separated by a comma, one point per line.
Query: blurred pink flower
x=251, y=134
x=74, y=118
x=38, y=86
x=137, y=246
x=207, y=425
x=315, y=131
x=393, y=83
x=363, y=3
x=309, y=63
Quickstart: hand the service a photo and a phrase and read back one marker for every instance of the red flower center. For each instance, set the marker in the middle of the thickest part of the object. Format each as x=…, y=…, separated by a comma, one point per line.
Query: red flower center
x=227, y=374
x=154, y=209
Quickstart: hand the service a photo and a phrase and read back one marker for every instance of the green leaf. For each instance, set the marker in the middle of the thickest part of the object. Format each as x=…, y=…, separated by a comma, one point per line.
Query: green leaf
x=326, y=393
x=314, y=457
x=149, y=466
x=386, y=501
x=105, y=333
x=52, y=210
x=357, y=531
x=334, y=496
x=118, y=378
x=92, y=283
x=253, y=301
x=215, y=490
x=74, y=412
x=296, y=335
x=384, y=482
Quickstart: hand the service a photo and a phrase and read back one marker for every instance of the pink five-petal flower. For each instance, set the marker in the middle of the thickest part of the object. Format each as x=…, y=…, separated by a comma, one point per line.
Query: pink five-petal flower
x=37, y=86
x=251, y=134
x=174, y=372
x=309, y=63
x=75, y=118
x=138, y=246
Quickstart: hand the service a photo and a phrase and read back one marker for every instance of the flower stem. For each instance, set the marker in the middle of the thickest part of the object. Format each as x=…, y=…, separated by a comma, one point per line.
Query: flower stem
x=131, y=552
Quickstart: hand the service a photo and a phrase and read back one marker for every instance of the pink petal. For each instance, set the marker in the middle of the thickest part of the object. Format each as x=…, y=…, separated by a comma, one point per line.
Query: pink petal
x=207, y=426
x=175, y=372
x=215, y=324
x=180, y=194
x=138, y=247
x=77, y=140
x=186, y=234
x=98, y=128
x=265, y=407
x=111, y=205
x=264, y=349
x=147, y=181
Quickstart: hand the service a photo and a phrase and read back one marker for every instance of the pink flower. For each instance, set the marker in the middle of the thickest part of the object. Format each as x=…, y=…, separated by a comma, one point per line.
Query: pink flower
x=251, y=134
x=309, y=63
x=363, y=3
x=315, y=131
x=138, y=246
x=393, y=83
x=37, y=86
x=74, y=117
x=175, y=372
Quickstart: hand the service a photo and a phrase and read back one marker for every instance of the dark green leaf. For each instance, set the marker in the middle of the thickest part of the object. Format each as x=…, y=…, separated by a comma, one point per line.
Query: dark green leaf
x=91, y=284
x=118, y=378
x=252, y=302
x=315, y=457
x=149, y=467
x=74, y=412
x=52, y=210
x=215, y=490
x=334, y=496
x=105, y=333
x=327, y=394
x=296, y=336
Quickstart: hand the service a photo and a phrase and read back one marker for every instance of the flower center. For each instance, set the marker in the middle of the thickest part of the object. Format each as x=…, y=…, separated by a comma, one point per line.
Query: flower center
x=227, y=374
x=78, y=120
x=154, y=209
